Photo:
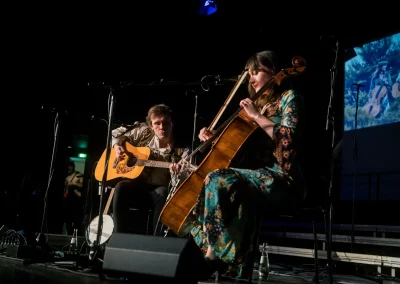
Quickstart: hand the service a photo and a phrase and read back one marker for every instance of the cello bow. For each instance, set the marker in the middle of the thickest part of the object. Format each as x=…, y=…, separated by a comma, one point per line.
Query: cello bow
x=228, y=99
x=235, y=88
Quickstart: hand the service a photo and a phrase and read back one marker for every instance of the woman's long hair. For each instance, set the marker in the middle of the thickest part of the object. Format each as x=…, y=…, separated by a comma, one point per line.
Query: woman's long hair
x=269, y=59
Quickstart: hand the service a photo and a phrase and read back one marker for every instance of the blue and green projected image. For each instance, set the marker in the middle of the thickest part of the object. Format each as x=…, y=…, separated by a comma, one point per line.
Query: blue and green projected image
x=375, y=71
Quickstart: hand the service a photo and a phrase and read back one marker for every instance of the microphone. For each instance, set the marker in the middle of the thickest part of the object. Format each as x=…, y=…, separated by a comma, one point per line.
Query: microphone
x=96, y=118
x=211, y=80
x=358, y=85
x=217, y=79
x=54, y=109
x=220, y=80
x=131, y=126
x=328, y=40
x=190, y=92
x=100, y=84
x=96, y=84
x=128, y=128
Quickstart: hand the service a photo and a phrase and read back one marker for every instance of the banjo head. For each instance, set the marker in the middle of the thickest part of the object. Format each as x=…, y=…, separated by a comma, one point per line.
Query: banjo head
x=108, y=228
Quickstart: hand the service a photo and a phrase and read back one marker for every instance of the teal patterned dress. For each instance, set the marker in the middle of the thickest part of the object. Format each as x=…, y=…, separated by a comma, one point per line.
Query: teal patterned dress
x=225, y=208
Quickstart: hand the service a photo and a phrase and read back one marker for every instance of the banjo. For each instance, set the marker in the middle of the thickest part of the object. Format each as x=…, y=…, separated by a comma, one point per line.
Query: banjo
x=108, y=224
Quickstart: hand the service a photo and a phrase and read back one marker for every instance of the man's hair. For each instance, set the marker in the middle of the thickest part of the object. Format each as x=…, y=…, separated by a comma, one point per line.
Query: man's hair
x=160, y=109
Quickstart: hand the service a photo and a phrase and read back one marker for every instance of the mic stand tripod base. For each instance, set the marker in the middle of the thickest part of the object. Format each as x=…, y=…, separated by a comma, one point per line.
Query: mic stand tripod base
x=93, y=252
x=35, y=251
x=42, y=248
x=94, y=262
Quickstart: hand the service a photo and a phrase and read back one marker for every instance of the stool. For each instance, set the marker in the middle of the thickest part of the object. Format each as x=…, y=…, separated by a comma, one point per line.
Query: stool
x=291, y=214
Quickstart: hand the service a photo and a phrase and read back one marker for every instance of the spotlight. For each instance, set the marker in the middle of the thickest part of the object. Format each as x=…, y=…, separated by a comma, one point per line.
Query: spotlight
x=207, y=7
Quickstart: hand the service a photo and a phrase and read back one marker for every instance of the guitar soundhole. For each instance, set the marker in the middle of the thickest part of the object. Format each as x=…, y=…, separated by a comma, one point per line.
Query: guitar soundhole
x=131, y=161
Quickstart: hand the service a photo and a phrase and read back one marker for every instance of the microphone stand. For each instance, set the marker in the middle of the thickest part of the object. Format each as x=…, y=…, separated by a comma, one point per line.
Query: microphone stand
x=355, y=156
x=96, y=246
x=41, y=239
x=330, y=119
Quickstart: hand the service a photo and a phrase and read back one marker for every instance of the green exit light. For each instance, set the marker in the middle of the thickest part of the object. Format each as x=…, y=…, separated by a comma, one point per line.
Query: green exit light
x=82, y=155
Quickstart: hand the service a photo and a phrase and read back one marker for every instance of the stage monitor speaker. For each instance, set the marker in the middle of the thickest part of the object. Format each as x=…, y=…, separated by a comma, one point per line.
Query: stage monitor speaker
x=144, y=257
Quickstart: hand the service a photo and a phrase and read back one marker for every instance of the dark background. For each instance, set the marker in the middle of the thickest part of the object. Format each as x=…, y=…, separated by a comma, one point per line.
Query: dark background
x=54, y=60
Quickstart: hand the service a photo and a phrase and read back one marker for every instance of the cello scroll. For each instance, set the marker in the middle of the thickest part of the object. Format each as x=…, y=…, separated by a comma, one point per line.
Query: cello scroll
x=299, y=65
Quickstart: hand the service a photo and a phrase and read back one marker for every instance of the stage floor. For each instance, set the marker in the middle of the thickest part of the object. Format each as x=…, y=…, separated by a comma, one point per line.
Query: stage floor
x=19, y=271
x=289, y=277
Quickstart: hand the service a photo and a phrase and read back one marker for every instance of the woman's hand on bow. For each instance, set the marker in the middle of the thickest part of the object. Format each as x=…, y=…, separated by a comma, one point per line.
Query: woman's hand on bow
x=205, y=134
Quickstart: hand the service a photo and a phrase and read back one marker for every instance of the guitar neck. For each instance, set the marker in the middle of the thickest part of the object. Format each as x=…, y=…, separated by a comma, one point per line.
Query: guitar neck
x=156, y=164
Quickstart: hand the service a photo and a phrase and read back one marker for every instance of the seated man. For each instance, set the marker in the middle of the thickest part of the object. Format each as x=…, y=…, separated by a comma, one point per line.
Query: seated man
x=151, y=187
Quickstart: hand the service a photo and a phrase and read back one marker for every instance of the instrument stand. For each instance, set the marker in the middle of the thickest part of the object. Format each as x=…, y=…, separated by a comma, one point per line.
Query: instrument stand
x=95, y=247
x=41, y=239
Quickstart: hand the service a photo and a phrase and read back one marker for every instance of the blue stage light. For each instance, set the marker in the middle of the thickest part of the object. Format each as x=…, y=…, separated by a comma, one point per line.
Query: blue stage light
x=207, y=7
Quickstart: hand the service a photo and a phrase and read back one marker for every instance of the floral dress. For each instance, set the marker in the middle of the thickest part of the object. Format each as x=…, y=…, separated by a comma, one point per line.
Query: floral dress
x=224, y=213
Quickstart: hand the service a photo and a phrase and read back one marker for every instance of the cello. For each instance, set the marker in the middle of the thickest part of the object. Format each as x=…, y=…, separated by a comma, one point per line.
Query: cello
x=373, y=106
x=226, y=142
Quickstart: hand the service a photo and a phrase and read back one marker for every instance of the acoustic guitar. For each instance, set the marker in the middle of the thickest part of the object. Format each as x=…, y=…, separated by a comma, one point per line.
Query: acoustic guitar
x=373, y=106
x=396, y=90
x=131, y=166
